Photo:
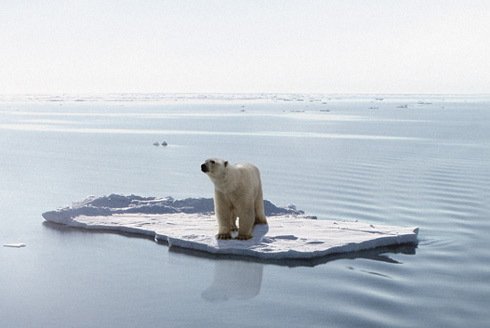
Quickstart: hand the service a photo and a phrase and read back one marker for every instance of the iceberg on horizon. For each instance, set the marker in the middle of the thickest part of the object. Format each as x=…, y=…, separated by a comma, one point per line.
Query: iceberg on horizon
x=190, y=224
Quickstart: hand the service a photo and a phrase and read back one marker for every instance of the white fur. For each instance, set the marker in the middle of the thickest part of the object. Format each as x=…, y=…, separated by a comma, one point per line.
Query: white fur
x=237, y=193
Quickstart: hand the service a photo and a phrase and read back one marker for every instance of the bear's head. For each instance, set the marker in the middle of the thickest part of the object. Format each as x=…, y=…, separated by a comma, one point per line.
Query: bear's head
x=214, y=167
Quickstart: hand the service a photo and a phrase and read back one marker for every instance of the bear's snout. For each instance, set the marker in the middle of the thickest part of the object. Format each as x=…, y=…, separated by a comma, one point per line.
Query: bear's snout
x=204, y=168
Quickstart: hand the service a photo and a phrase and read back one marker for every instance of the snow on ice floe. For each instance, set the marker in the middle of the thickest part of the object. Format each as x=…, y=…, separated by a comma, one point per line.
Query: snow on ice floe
x=190, y=224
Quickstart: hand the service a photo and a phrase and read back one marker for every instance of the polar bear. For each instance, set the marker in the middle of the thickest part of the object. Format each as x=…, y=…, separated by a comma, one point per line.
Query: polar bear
x=237, y=193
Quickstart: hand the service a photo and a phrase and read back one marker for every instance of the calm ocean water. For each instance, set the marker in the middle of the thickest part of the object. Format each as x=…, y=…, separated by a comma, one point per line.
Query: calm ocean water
x=411, y=161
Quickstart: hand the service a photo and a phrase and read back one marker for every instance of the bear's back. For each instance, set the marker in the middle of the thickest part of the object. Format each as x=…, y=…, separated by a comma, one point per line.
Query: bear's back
x=248, y=175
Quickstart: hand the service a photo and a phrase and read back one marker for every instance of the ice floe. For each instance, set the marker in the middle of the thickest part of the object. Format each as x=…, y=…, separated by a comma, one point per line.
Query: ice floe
x=190, y=224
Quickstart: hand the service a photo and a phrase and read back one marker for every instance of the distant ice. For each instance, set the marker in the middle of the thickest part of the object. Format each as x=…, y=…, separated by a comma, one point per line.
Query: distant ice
x=252, y=98
x=190, y=224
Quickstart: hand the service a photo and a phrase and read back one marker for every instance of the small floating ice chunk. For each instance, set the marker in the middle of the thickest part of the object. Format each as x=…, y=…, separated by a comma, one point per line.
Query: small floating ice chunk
x=15, y=245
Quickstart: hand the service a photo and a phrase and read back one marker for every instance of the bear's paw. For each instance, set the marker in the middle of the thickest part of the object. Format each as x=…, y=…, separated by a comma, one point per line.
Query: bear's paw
x=244, y=237
x=223, y=236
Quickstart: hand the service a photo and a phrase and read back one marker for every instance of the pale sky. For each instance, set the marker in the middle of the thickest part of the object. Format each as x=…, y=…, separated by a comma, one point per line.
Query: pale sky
x=106, y=46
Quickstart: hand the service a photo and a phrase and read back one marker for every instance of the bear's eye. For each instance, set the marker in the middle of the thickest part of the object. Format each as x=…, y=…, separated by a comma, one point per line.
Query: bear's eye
x=212, y=162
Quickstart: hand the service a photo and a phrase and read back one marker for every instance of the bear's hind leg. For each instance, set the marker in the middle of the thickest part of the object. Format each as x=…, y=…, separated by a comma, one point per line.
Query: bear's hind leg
x=259, y=209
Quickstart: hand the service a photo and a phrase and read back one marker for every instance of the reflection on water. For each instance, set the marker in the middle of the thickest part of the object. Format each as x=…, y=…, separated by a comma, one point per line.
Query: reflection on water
x=381, y=254
x=234, y=280
x=240, y=278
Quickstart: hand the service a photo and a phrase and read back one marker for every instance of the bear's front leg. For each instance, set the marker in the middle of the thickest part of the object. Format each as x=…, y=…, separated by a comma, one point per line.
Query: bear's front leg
x=224, y=214
x=246, y=220
x=233, y=226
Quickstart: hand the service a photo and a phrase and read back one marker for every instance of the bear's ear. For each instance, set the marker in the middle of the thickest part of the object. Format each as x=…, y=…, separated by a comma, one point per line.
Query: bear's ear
x=226, y=163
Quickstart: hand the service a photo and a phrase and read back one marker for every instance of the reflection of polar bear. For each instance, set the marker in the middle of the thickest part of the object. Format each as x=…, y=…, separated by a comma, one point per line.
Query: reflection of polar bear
x=237, y=193
x=237, y=280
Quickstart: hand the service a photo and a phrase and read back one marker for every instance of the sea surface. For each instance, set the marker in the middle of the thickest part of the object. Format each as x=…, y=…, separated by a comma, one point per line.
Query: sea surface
x=417, y=160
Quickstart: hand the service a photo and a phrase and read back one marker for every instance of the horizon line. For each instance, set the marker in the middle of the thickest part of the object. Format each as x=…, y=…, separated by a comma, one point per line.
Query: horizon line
x=59, y=94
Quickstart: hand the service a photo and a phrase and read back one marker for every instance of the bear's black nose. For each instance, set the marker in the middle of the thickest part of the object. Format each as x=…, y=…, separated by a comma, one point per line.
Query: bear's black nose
x=204, y=168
